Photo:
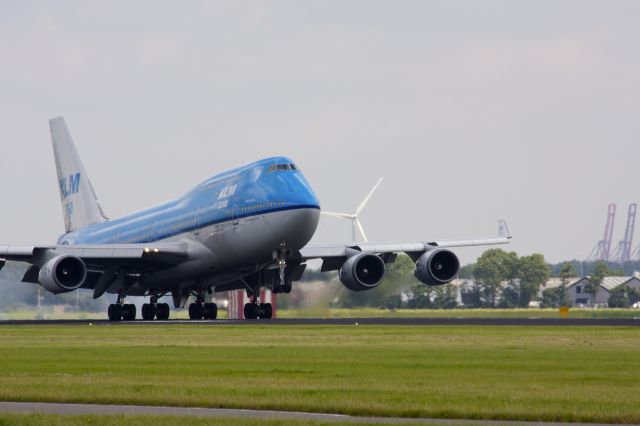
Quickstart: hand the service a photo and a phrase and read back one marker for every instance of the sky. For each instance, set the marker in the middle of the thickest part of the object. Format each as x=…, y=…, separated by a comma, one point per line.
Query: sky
x=473, y=111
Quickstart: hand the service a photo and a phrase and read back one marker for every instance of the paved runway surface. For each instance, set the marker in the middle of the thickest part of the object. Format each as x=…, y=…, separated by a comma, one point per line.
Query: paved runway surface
x=357, y=321
x=82, y=409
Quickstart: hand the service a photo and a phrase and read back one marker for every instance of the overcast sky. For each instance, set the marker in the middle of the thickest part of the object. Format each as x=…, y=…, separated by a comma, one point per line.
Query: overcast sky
x=472, y=110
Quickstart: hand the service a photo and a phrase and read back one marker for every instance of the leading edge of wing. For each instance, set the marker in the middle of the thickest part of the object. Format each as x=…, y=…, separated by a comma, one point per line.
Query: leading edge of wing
x=335, y=250
x=160, y=252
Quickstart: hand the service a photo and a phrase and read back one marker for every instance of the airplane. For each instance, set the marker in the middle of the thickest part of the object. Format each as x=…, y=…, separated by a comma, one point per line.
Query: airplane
x=246, y=228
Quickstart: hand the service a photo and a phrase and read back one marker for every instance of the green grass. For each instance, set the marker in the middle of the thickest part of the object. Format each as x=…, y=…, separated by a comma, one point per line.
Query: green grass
x=529, y=373
x=107, y=420
x=456, y=313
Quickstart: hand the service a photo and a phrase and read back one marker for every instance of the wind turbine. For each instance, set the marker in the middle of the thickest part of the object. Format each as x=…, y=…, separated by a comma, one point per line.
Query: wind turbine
x=355, y=222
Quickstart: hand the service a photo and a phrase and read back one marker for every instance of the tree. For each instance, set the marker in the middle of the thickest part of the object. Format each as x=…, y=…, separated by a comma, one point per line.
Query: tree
x=600, y=270
x=532, y=272
x=494, y=267
x=623, y=296
x=567, y=270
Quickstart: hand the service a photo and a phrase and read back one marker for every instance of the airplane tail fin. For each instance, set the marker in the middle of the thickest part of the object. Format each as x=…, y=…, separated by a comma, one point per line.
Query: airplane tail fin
x=80, y=206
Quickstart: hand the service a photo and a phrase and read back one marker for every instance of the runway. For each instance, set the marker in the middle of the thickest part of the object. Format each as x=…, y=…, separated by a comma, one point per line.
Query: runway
x=84, y=409
x=611, y=322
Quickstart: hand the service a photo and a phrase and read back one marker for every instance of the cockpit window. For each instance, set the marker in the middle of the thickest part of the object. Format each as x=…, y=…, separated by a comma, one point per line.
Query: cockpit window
x=282, y=167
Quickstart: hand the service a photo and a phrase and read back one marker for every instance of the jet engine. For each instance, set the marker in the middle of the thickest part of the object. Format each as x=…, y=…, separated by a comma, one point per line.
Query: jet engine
x=437, y=267
x=363, y=271
x=62, y=274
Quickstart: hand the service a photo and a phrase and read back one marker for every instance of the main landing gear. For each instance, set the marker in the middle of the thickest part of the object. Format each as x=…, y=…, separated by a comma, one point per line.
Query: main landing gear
x=201, y=309
x=253, y=310
x=155, y=310
x=121, y=311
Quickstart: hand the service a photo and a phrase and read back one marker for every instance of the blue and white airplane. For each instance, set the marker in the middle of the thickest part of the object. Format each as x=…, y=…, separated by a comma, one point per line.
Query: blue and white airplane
x=245, y=228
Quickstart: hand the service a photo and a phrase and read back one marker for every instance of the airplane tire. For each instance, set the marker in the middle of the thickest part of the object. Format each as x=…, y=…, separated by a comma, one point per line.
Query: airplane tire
x=148, y=312
x=162, y=311
x=114, y=312
x=266, y=311
x=210, y=311
x=251, y=311
x=129, y=312
x=195, y=311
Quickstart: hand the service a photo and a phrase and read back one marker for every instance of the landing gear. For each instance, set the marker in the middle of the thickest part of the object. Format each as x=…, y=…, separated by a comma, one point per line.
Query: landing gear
x=266, y=311
x=254, y=310
x=195, y=311
x=201, y=309
x=155, y=310
x=121, y=311
x=114, y=312
x=129, y=312
x=148, y=312
x=210, y=311
x=251, y=311
x=162, y=311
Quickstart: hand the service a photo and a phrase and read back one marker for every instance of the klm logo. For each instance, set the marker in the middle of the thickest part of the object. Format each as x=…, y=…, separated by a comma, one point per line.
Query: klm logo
x=70, y=185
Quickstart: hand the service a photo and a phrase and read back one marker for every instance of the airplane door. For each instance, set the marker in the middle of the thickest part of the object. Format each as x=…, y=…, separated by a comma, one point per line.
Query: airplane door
x=235, y=213
x=196, y=221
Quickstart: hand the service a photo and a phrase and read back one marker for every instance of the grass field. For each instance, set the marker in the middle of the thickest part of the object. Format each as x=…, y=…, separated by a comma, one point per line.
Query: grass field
x=108, y=420
x=535, y=373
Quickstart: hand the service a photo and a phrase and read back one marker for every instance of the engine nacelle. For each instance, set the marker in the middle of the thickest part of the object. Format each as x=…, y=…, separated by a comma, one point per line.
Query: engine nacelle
x=362, y=272
x=62, y=274
x=437, y=267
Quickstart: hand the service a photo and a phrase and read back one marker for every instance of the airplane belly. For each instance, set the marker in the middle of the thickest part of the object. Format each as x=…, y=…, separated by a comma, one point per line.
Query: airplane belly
x=253, y=240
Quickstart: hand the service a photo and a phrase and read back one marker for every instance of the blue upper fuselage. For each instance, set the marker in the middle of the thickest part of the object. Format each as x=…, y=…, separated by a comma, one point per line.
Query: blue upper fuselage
x=268, y=185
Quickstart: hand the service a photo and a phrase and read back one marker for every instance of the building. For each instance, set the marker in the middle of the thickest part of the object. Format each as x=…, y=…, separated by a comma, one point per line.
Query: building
x=580, y=297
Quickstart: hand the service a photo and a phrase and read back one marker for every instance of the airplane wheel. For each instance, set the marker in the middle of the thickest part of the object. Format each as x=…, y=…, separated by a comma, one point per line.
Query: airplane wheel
x=195, y=311
x=114, y=312
x=129, y=312
x=148, y=312
x=210, y=311
x=266, y=310
x=251, y=310
x=162, y=311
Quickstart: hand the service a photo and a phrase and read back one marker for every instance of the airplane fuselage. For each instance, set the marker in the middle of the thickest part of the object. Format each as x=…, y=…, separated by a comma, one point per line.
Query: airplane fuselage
x=235, y=219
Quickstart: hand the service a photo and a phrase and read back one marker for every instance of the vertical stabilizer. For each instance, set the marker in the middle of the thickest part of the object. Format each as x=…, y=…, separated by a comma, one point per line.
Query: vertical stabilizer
x=80, y=206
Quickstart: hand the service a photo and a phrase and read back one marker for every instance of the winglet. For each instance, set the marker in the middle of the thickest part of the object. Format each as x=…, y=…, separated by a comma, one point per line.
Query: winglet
x=503, y=231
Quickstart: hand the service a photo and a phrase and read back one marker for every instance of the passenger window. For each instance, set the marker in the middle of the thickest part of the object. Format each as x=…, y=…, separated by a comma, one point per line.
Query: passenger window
x=293, y=167
x=272, y=168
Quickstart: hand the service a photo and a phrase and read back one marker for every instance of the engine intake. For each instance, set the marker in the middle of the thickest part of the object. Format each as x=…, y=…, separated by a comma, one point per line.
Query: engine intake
x=362, y=272
x=62, y=274
x=437, y=267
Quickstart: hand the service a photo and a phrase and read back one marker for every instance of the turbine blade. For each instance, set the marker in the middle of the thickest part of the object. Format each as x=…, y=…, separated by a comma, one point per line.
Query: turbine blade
x=364, y=236
x=334, y=214
x=366, y=199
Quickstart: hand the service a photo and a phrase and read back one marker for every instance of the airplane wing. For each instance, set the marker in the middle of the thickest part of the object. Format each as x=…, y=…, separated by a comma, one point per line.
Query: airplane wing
x=102, y=261
x=167, y=254
x=334, y=256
